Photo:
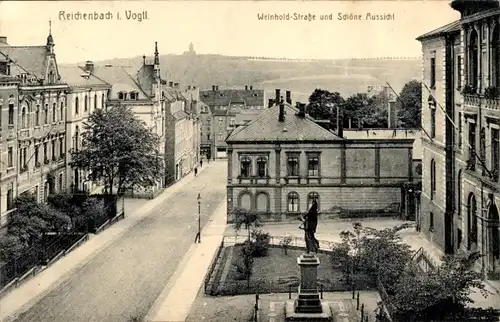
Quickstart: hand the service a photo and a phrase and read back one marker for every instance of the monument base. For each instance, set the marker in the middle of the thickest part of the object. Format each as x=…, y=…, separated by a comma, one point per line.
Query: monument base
x=292, y=315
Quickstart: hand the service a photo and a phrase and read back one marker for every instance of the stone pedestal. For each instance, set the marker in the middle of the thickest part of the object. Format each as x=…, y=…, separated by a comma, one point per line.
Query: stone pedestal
x=308, y=306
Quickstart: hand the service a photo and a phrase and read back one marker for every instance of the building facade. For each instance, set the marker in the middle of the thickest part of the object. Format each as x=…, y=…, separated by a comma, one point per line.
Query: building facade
x=86, y=94
x=229, y=108
x=462, y=69
x=280, y=162
x=37, y=120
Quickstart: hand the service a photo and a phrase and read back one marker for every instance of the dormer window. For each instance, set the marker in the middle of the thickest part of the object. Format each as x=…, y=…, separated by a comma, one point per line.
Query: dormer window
x=134, y=95
x=121, y=96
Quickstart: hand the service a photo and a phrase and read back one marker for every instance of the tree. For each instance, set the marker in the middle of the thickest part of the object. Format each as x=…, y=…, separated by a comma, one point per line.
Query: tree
x=440, y=292
x=409, y=105
x=245, y=219
x=119, y=150
x=10, y=247
x=323, y=104
x=366, y=111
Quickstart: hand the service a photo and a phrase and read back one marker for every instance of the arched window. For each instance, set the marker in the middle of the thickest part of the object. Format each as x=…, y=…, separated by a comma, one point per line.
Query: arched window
x=245, y=200
x=433, y=178
x=85, y=104
x=77, y=138
x=37, y=115
x=46, y=114
x=471, y=222
x=473, y=59
x=102, y=101
x=459, y=193
x=11, y=114
x=293, y=202
x=77, y=105
x=432, y=105
x=262, y=167
x=246, y=167
x=23, y=117
x=95, y=101
x=61, y=112
x=312, y=196
x=54, y=112
x=495, y=53
x=262, y=202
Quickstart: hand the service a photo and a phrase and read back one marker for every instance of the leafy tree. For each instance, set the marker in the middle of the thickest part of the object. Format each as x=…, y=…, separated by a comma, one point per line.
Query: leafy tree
x=245, y=219
x=440, y=292
x=409, y=105
x=366, y=111
x=323, y=104
x=11, y=247
x=119, y=150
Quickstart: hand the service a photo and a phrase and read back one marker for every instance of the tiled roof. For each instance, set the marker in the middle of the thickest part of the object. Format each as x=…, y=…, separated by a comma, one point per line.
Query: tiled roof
x=267, y=127
x=224, y=97
x=179, y=115
x=451, y=27
x=146, y=77
x=74, y=76
x=31, y=59
x=119, y=78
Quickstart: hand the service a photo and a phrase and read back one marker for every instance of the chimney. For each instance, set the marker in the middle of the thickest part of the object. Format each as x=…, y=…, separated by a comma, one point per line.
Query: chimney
x=289, y=97
x=302, y=110
x=392, y=116
x=176, y=85
x=216, y=87
x=251, y=87
x=189, y=87
x=89, y=66
x=277, y=100
x=246, y=87
x=340, y=122
x=3, y=40
x=281, y=116
x=213, y=88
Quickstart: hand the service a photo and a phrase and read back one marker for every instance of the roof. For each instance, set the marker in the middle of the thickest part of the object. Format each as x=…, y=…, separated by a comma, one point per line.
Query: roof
x=224, y=97
x=179, y=115
x=77, y=77
x=443, y=30
x=146, y=77
x=267, y=127
x=119, y=78
x=31, y=59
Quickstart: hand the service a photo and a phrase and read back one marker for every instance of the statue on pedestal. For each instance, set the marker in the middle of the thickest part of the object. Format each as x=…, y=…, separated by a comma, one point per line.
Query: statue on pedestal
x=310, y=222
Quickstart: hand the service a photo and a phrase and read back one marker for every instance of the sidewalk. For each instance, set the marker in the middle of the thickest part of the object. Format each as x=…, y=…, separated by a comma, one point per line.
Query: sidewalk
x=174, y=303
x=22, y=298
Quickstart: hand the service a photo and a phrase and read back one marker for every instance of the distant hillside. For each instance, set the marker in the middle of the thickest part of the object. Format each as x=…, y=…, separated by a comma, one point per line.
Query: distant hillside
x=346, y=76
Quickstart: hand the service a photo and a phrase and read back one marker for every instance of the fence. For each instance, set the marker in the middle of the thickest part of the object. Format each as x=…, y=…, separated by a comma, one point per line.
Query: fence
x=387, y=309
x=213, y=264
x=297, y=242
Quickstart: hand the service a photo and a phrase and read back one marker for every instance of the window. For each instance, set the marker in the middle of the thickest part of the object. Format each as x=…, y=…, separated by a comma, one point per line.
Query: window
x=10, y=199
x=312, y=196
x=61, y=182
x=459, y=72
x=23, y=118
x=313, y=166
x=45, y=153
x=11, y=114
x=208, y=136
x=77, y=139
x=53, y=149
x=433, y=178
x=459, y=193
x=102, y=101
x=121, y=96
x=262, y=167
x=482, y=148
x=246, y=167
x=221, y=137
x=46, y=114
x=85, y=103
x=37, y=155
x=95, y=101
x=495, y=150
x=460, y=130
x=495, y=56
x=433, y=72
x=431, y=221
x=10, y=157
x=472, y=147
x=37, y=115
x=293, y=166
x=61, y=112
x=432, y=106
x=221, y=121
x=77, y=105
x=233, y=122
x=54, y=112
x=293, y=202
x=61, y=147
x=473, y=61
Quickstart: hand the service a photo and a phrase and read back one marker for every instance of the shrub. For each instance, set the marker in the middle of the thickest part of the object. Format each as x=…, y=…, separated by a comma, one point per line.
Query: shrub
x=244, y=263
x=260, y=243
x=285, y=243
x=10, y=247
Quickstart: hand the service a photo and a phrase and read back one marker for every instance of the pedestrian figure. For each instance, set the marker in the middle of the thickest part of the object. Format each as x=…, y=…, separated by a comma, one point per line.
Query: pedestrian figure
x=195, y=172
x=201, y=163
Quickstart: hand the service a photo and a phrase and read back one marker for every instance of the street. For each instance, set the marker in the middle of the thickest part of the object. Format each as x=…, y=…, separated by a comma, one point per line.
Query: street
x=124, y=279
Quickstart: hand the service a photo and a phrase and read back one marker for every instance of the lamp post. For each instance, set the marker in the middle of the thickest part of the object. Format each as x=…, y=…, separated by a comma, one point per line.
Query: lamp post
x=198, y=235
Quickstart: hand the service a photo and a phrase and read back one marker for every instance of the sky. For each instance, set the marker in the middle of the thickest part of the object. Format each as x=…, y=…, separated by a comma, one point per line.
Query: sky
x=224, y=27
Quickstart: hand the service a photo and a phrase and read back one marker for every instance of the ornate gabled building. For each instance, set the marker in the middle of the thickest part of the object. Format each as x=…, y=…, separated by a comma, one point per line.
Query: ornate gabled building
x=462, y=157
x=39, y=117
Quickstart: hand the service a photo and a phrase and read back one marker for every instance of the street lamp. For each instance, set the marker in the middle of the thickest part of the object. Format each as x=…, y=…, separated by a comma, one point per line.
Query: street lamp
x=198, y=235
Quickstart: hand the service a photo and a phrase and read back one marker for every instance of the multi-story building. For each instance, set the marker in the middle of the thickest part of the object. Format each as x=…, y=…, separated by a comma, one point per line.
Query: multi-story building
x=86, y=94
x=182, y=128
x=206, y=136
x=8, y=140
x=461, y=113
x=229, y=108
x=39, y=123
x=142, y=91
x=281, y=161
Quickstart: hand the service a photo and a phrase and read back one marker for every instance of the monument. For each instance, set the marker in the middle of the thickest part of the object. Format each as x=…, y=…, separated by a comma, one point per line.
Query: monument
x=308, y=306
